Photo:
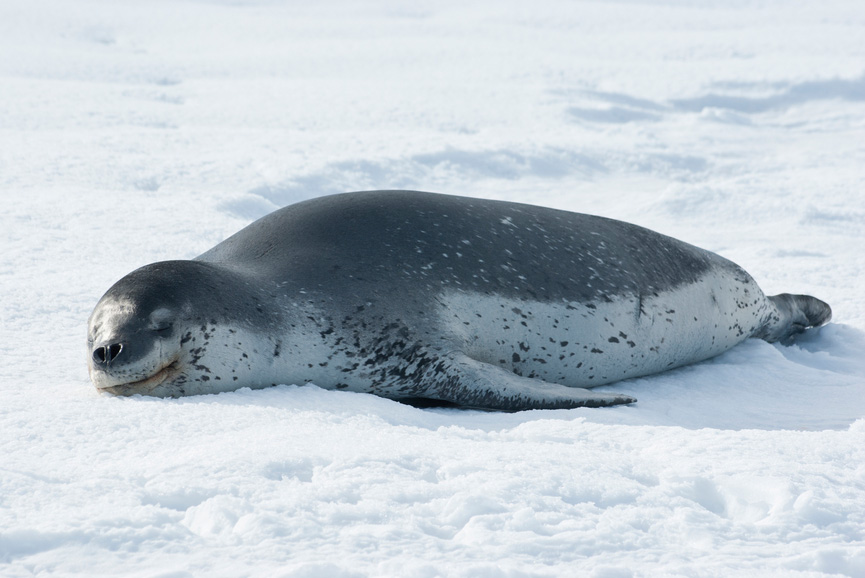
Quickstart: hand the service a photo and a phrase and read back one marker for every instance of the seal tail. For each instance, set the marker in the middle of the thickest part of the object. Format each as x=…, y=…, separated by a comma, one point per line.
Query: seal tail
x=794, y=314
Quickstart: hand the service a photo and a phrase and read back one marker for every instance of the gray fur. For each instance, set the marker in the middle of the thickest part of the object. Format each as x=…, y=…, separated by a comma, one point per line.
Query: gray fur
x=422, y=296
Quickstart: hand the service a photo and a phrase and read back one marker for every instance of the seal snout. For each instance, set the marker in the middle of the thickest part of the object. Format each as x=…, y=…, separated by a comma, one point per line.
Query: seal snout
x=105, y=354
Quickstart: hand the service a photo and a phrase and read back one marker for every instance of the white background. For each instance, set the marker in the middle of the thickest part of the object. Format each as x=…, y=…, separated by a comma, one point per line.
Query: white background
x=132, y=132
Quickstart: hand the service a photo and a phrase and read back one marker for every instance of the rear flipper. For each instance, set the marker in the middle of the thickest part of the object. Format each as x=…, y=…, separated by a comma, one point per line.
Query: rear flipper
x=470, y=383
x=793, y=315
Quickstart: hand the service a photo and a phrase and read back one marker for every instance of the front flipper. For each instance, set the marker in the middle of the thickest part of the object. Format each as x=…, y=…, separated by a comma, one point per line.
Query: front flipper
x=469, y=383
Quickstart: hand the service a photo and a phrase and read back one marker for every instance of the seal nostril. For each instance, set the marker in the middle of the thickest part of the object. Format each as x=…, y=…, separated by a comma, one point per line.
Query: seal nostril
x=106, y=354
x=113, y=351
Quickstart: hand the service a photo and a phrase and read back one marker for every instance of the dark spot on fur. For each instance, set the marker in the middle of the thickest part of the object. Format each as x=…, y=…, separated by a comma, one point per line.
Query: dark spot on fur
x=515, y=357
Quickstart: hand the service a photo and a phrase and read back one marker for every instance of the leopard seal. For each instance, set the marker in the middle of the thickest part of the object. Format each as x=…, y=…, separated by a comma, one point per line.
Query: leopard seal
x=420, y=296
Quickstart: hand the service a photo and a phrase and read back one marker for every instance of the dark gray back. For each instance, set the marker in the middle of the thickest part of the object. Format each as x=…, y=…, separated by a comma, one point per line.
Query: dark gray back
x=397, y=239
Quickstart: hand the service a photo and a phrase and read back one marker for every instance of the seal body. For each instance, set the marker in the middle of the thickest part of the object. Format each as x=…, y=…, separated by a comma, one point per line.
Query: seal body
x=420, y=296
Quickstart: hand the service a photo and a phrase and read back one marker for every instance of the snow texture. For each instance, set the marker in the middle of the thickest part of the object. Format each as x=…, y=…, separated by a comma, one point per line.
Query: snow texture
x=133, y=131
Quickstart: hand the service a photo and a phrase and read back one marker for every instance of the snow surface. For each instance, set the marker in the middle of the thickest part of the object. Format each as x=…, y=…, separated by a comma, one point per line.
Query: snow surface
x=135, y=131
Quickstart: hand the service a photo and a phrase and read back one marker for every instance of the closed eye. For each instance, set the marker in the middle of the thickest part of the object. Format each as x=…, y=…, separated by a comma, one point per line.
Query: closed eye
x=160, y=320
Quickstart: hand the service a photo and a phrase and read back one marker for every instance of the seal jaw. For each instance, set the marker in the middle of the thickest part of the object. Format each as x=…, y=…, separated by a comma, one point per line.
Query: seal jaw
x=144, y=386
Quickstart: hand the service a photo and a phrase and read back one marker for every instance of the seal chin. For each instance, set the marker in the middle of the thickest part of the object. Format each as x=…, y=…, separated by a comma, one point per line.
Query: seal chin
x=143, y=386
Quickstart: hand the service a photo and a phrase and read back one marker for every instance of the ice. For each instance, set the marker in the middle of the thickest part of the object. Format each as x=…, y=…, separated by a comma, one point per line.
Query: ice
x=132, y=132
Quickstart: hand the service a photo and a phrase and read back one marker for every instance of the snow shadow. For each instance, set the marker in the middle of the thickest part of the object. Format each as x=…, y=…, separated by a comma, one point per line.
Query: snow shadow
x=617, y=108
x=415, y=172
x=445, y=171
x=791, y=95
x=615, y=115
x=623, y=108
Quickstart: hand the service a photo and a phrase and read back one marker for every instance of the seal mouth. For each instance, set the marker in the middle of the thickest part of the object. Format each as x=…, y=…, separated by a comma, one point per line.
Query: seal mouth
x=147, y=384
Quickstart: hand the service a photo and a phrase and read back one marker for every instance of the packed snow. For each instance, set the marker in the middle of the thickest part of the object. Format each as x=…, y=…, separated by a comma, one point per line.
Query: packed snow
x=134, y=131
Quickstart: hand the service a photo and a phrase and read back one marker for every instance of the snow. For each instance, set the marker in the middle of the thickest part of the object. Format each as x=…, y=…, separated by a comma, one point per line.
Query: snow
x=135, y=131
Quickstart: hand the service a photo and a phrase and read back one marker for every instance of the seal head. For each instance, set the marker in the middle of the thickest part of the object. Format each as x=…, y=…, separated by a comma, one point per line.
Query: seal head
x=154, y=331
